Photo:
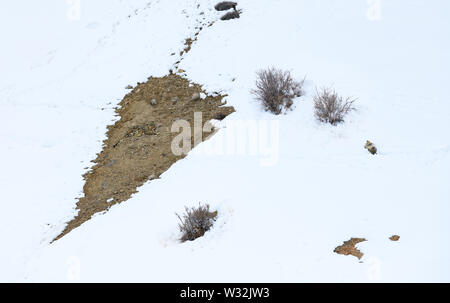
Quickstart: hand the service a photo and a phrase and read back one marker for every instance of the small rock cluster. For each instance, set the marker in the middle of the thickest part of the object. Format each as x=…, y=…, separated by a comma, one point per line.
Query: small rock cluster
x=195, y=97
x=370, y=147
x=227, y=5
x=349, y=248
x=395, y=238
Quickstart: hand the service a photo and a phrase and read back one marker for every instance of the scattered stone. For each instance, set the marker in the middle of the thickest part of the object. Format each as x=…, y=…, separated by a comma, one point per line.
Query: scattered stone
x=153, y=102
x=231, y=15
x=370, y=147
x=180, y=71
x=137, y=143
x=195, y=97
x=129, y=87
x=394, y=238
x=349, y=248
x=219, y=116
x=175, y=99
x=225, y=5
x=110, y=163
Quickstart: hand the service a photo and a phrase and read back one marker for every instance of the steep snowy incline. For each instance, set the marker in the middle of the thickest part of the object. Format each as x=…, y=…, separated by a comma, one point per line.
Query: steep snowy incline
x=61, y=79
x=284, y=209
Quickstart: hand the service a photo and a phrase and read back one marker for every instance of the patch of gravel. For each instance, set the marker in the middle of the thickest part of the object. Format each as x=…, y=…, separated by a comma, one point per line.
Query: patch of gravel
x=138, y=146
x=349, y=248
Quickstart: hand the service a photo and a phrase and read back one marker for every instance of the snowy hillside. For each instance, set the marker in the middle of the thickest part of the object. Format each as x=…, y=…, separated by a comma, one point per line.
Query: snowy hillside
x=284, y=205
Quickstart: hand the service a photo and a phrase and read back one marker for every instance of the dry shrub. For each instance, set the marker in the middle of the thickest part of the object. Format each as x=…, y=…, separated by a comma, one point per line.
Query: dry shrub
x=331, y=108
x=276, y=89
x=195, y=222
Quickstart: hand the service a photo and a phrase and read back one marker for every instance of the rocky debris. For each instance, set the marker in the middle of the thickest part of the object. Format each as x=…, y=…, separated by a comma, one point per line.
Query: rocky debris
x=188, y=45
x=140, y=143
x=153, y=102
x=110, y=163
x=225, y=5
x=148, y=129
x=219, y=116
x=195, y=97
x=349, y=248
x=175, y=99
x=129, y=87
x=370, y=147
x=231, y=15
x=394, y=238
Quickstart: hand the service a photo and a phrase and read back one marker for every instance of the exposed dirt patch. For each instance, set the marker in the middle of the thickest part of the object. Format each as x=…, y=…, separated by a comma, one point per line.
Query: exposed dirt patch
x=349, y=248
x=138, y=146
x=187, y=48
x=394, y=238
x=188, y=43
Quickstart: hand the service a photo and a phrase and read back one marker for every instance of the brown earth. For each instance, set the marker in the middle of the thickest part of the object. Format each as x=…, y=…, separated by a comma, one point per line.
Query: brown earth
x=138, y=146
x=349, y=248
x=394, y=238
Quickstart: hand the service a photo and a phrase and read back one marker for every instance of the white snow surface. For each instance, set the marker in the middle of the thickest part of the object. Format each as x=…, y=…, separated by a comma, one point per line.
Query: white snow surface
x=281, y=211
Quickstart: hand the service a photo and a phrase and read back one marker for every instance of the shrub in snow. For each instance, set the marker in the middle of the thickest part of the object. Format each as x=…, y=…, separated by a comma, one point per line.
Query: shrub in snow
x=195, y=222
x=276, y=89
x=331, y=108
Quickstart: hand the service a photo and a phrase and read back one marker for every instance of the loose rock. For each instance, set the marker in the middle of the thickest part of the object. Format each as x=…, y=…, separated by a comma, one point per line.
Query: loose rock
x=195, y=97
x=153, y=102
x=231, y=15
x=225, y=5
x=370, y=147
x=349, y=248
x=394, y=238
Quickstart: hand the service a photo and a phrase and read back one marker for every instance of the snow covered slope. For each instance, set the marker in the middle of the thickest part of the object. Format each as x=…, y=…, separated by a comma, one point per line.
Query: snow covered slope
x=282, y=208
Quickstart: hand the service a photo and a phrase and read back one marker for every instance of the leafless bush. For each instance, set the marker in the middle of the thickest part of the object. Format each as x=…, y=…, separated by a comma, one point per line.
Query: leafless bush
x=195, y=222
x=331, y=108
x=276, y=89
